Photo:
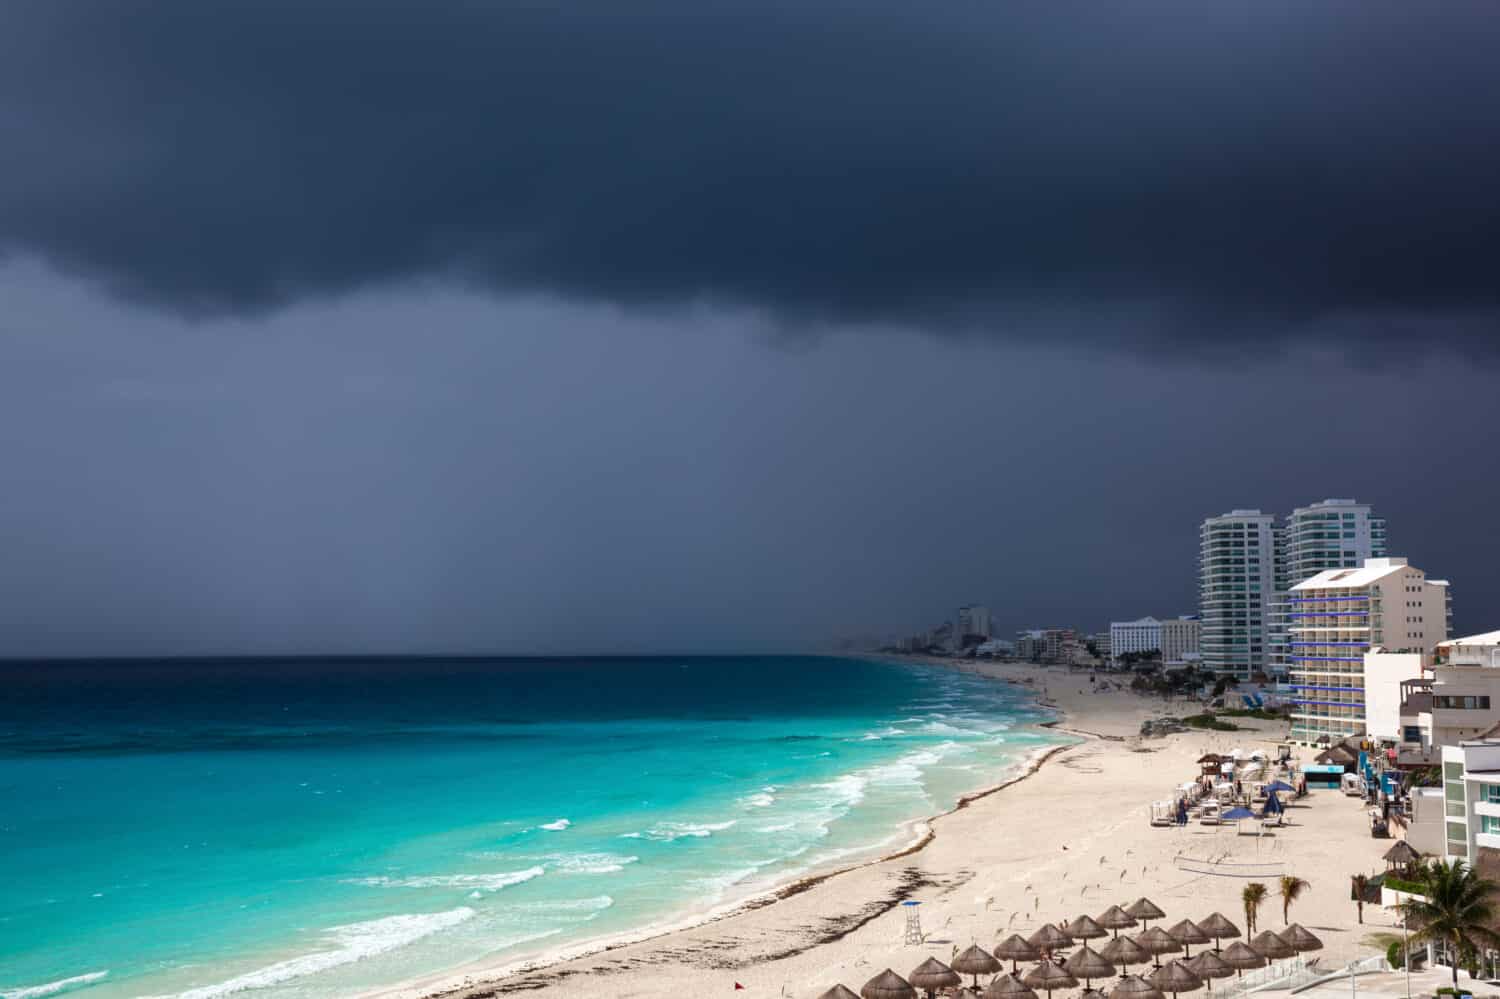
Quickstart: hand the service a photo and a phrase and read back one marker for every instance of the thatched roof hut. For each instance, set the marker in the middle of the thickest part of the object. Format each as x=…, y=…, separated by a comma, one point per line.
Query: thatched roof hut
x=887, y=985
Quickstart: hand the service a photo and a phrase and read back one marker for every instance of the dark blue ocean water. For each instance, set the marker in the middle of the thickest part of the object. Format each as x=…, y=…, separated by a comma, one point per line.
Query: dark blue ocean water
x=315, y=828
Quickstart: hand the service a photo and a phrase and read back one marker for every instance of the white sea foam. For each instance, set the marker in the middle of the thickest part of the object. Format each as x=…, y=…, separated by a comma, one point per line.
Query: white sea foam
x=764, y=798
x=53, y=988
x=778, y=827
x=557, y=826
x=354, y=942
x=590, y=863
x=717, y=884
x=477, y=882
x=666, y=832
x=596, y=905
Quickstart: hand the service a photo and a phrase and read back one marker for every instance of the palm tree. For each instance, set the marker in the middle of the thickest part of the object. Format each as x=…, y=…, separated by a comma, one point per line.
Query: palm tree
x=1252, y=896
x=1359, y=884
x=1292, y=888
x=1456, y=908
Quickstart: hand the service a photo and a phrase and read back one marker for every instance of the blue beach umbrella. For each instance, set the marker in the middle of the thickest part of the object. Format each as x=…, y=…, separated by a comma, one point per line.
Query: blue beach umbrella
x=1273, y=805
x=1235, y=814
x=1279, y=785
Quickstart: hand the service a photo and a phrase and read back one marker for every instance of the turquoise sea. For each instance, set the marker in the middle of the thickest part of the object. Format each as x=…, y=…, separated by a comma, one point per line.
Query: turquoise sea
x=315, y=828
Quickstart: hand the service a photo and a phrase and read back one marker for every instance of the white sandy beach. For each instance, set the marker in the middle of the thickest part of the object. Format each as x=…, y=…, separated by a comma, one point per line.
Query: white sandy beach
x=1072, y=837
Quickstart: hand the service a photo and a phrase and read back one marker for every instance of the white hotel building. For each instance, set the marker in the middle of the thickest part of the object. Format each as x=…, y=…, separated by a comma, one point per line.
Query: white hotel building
x=1236, y=590
x=1143, y=635
x=1331, y=534
x=1340, y=615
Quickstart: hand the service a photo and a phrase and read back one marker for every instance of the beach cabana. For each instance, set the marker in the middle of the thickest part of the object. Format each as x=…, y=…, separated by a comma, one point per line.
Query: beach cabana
x=931, y=975
x=1116, y=919
x=1158, y=942
x=1241, y=957
x=1188, y=933
x=1145, y=910
x=1209, y=966
x=1049, y=975
x=1089, y=964
x=1049, y=938
x=1123, y=952
x=1135, y=987
x=1219, y=928
x=976, y=961
x=838, y=992
x=1084, y=928
x=1270, y=945
x=1176, y=977
x=887, y=985
x=1014, y=948
x=1400, y=857
x=1007, y=987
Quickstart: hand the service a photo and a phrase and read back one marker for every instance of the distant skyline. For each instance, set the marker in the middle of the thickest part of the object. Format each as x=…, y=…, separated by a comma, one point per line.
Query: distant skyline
x=505, y=329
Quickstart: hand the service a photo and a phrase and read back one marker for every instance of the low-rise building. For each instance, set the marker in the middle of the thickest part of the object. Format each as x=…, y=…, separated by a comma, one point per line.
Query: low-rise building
x=1179, y=639
x=1460, y=700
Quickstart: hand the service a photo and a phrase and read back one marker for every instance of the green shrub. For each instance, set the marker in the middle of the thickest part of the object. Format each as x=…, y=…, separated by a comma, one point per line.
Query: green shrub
x=1393, y=955
x=1208, y=721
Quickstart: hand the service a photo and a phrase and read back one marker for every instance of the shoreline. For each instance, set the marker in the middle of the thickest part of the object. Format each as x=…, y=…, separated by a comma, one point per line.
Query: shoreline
x=478, y=980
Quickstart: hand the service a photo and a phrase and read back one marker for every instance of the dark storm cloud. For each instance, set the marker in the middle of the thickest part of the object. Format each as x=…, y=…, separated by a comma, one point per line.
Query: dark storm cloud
x=1259, y=167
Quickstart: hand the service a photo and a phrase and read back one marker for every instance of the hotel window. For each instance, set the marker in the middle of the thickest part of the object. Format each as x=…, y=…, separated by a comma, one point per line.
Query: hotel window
x=1489, y=824
x=1492, y=794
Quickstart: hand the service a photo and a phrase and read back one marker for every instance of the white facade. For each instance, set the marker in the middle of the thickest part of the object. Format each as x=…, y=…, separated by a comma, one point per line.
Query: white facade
x=973, y=620
x=1236, y=588
x=1471, y=796
x=1180, y=640
x=1339, y=615
x=1384, y=674
x=1143, y=635
x=1461, y=701
x=1331, y=534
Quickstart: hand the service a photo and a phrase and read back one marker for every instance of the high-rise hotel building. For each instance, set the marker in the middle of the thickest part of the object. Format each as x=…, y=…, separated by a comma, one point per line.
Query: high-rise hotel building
x=1332, y=534
x=1337, y=617
x=1236, y=590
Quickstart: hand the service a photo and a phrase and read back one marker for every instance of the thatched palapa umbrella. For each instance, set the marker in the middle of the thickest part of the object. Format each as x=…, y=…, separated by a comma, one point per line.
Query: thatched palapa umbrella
x=1176, y=977
x=1219, y=928
x=838, y=992
x=887, y=985
x=1188, y=933
x=1400, y=855
x=1135, y=987
x=1049, y=975
x=1084, y=928
x=1271, y=945
x=1301, y=940
x=1158, y=941
x=966, y=994
x=1123, y=952
x=1089, y=964
x=1007, y=987
x=1116, y=918
x=1049, y=938
x=976, y=961
x=931, y=975
x=1241, y=957
x=1209, y=966
x=1015, y=948
x=1145, y=910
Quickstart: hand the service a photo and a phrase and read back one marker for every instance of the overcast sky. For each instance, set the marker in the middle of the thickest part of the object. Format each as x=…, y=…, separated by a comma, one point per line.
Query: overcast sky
x=453, y=326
